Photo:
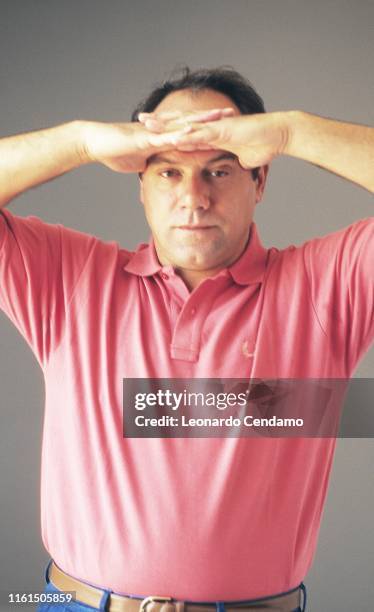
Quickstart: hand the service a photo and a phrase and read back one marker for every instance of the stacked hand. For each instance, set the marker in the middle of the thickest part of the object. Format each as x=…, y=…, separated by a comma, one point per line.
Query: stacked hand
x=254, y=139
x=125, y=147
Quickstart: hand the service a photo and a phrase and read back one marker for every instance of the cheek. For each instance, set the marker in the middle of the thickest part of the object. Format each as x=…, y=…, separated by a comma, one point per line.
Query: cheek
x=237, y=204
x=158, y=207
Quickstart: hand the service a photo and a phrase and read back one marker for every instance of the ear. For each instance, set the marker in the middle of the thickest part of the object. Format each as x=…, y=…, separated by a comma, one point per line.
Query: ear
x=261, y=182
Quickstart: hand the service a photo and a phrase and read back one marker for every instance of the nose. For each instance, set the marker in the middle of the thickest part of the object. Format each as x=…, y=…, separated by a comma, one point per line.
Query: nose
x=194, y=193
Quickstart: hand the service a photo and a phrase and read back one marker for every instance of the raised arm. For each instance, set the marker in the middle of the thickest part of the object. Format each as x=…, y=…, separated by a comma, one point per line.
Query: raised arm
x=346, y=149
x=29, y=159
x=26, y=160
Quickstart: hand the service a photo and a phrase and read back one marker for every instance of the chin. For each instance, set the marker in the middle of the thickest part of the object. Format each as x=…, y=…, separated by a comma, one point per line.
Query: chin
x=200, y=252
x=194, y=259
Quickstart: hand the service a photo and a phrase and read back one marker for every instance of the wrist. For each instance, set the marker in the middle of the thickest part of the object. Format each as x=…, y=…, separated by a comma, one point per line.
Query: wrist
x=281, y=126
x=293, y=122
x=80, y=131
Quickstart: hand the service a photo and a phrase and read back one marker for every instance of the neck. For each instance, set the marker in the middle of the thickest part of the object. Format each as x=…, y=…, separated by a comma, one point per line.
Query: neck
x=193, y=278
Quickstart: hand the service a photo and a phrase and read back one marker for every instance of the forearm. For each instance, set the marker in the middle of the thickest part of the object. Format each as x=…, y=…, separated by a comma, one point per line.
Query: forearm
x=27, y=160
x=346, y=149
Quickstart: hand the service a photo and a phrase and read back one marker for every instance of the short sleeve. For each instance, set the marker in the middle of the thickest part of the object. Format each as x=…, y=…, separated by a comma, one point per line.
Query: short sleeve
x=340, y=270
x=40, y=264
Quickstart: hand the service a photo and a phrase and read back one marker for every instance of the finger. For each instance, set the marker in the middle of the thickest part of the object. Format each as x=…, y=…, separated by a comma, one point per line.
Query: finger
x=157, y=126
x=203, y=116
x=154, y=125
x=195, y=147
x=228, y=112
x=142, y=117
x=166, y=138
x=175, y=114
x=178, y=117
x=198, y=135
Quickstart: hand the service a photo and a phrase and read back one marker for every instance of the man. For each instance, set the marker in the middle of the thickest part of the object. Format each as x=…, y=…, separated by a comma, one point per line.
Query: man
x=212, y=520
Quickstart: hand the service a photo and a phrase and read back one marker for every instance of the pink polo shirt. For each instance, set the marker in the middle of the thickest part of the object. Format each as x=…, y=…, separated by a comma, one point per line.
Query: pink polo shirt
x=199, y=519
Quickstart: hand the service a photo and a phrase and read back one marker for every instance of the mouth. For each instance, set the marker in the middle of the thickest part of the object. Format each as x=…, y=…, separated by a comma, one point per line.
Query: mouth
x=195, y=228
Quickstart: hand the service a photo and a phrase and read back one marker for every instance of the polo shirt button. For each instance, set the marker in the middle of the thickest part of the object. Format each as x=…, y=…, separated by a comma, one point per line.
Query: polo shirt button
x=193, y=311
x=164, y=276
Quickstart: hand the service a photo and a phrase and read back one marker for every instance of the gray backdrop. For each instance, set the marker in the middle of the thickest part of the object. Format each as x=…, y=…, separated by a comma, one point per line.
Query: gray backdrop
x=94, y=60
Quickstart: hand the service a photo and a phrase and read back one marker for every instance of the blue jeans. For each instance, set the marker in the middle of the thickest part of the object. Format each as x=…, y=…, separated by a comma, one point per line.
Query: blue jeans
x=76, y=606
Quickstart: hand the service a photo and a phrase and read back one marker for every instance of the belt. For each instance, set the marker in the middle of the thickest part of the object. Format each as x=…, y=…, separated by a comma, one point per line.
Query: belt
x=92, y=596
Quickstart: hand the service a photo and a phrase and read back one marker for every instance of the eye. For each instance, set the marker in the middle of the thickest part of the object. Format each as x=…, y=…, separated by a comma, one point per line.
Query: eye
x=168, y=173
x=219, y=173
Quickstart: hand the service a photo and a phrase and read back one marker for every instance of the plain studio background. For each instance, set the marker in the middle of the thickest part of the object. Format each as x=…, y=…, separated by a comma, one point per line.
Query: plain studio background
x=94, y=60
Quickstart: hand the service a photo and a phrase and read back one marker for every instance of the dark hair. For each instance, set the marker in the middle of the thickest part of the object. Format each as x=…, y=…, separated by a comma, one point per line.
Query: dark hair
x=224, y=79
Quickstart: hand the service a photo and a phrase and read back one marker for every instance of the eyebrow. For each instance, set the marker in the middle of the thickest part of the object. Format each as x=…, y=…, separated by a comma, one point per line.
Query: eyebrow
x=160, y=159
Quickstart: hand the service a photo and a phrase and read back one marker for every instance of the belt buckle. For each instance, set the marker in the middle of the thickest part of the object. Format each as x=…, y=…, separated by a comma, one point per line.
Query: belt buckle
x=153, y=598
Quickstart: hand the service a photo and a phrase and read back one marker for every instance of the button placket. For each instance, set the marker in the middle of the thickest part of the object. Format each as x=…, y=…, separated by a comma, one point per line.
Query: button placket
x=187, y=334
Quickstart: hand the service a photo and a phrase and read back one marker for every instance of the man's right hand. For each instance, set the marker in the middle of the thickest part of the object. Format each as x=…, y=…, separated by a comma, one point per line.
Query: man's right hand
x=125, y=147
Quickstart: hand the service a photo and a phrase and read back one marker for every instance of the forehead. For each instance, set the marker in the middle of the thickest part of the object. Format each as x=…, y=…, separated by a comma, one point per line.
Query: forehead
x=192, y=158
x=190, y=100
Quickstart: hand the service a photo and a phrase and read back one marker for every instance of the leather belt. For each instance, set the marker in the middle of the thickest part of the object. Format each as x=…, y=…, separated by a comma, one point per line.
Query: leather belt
x=92, y=596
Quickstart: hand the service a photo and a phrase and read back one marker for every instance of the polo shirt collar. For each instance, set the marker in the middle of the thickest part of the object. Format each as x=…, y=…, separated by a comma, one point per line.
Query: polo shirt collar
x=251, y=265
x=144, y=261
x=248, y=269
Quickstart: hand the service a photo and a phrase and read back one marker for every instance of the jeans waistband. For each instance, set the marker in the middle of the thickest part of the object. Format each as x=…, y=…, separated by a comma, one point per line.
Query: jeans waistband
x=264, y=603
